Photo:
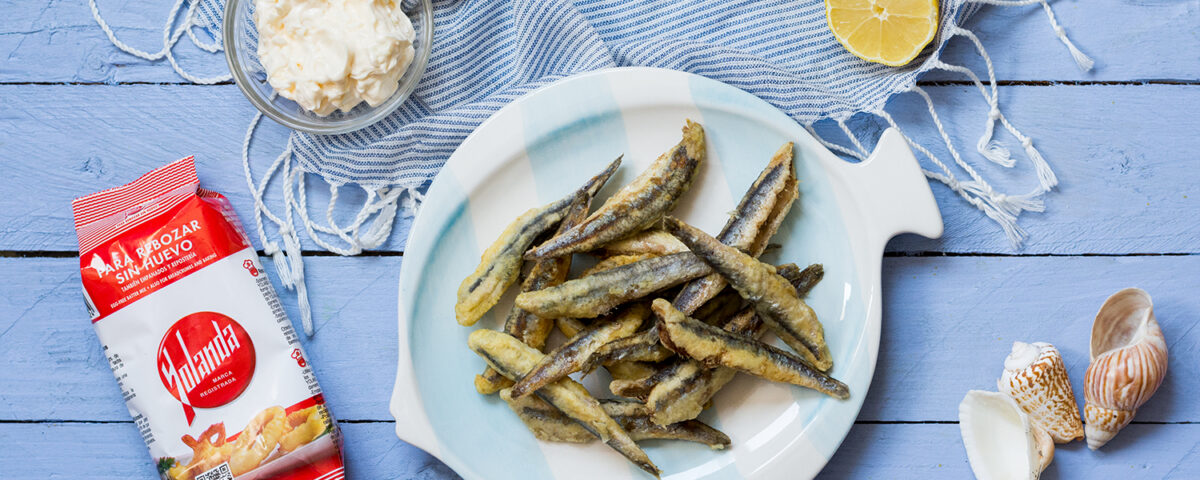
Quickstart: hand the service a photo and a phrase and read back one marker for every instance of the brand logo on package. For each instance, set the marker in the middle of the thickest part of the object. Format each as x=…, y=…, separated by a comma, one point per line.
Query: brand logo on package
x=205, y=360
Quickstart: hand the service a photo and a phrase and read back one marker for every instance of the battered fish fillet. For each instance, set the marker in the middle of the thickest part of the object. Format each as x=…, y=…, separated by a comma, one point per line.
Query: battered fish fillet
x=654, y=242
x=596, y=294
x=765, y=204
x=757, y=217
x=501, y=262
x=802, y=280
x=716, y=347
x=527, y=327
x=514, y=359
x=682, y=391
x=639, y=204
x=549, y=424
x=568, y=357
x=792, y=320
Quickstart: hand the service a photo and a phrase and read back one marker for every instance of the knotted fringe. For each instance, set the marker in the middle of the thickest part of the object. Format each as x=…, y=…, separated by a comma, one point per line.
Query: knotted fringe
x=170, y=38
x=1002, y=208
x=379, y=208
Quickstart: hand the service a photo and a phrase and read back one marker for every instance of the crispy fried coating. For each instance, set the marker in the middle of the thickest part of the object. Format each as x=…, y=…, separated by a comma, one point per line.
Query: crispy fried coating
x=752, y=224
x=713, y=347
x=501, y=262
x=568, y=357
x=530, y=328
x=514, y=359
x=595, y=295
x=772, y=295
x=549, y=424
x=639, y=204
x=655, y=242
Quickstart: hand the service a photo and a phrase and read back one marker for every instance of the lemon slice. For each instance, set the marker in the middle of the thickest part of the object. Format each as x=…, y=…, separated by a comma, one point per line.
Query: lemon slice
x=891, y=32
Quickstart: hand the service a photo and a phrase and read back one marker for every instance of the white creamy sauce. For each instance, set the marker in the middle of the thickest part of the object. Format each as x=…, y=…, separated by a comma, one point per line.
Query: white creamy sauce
x=331, y=55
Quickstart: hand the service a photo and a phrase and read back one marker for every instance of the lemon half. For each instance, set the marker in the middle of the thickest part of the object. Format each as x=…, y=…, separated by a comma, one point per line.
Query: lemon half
x=891, y=32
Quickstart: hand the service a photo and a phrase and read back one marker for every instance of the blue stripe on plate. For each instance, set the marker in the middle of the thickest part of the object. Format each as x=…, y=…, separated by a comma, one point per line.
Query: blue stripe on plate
x=571, y=133
x=487, y=439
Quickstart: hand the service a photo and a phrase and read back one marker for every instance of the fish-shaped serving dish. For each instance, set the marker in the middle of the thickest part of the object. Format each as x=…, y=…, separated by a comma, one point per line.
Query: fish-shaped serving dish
x=547, y=143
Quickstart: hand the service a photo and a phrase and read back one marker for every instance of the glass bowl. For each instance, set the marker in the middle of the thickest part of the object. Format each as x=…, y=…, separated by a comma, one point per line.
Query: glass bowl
x=241, y=52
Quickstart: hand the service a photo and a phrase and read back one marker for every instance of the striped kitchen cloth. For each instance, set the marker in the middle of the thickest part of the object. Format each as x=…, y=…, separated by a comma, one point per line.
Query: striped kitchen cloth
x=488, y=52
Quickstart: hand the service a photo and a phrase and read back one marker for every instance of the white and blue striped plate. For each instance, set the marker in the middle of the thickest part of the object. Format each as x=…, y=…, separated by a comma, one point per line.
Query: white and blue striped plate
x=549, y=142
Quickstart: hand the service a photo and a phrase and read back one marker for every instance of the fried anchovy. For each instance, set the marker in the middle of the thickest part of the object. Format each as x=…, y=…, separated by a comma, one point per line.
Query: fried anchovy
x=682, y=391
x=611, y=262
x=721, y=308
x=772, y=295
x=756, y=218
x=514, y=359
x=802, y=280
x=595, y=295
x=501, y=262
x=713, y=347
x=571, y=327
x=641, y=347
x=637, y=205
x=527, y=327
x=689, y=389
x=640, y=388
x=655, y=242
x=764, y=204
x=629, y=370
x=546, y=422
x=568, y=357
x=779, y=212
x=549, y=424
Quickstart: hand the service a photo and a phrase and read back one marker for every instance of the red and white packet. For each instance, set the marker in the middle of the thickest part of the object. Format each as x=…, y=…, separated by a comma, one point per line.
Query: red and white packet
x=210, y=367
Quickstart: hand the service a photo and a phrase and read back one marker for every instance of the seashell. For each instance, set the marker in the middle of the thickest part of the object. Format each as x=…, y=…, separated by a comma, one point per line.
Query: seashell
x=1002, y=442
x=1035, y=376
x=1129, y=362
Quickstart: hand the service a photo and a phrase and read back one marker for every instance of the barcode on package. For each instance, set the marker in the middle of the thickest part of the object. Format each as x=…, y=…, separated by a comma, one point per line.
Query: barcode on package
x=220, y=472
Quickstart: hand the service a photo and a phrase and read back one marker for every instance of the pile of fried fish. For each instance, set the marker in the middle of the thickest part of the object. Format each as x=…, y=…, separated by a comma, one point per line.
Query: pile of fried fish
x=667, y=359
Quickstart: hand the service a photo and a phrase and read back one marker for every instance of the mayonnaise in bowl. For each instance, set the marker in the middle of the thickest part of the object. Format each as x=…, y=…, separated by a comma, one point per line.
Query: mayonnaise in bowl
x=329, y=55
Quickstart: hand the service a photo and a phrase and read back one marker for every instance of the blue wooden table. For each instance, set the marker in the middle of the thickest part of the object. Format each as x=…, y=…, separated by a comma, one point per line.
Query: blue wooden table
x=76, y=115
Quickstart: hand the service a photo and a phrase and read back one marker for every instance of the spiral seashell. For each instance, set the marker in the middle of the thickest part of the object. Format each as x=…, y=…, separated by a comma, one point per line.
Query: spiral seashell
x=1002, y=442
x=1129, y=362
x=1036, y=378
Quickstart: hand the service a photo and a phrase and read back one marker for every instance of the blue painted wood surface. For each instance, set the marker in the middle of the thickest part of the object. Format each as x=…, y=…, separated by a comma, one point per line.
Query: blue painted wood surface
x=1121, y=139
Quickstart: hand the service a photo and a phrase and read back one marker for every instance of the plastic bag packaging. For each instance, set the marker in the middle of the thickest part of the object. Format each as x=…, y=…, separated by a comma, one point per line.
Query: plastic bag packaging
x=209, y=365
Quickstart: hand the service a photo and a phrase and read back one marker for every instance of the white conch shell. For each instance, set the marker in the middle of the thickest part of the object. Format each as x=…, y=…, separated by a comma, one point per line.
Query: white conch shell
x=1129, y=362
x=1001, y=441
x=1035, y=376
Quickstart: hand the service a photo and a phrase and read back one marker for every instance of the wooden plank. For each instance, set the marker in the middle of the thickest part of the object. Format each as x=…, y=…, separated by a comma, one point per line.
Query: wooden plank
x=59, y=42
x=936, y=451
x=1022, y=44
x=115, y=451
x=88, y=138
x=1127, y=186
x=948, y=324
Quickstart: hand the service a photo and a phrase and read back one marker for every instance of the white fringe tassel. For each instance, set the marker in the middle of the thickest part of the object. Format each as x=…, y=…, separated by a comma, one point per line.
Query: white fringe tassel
x=170, y=38
x=369, y=229
x=1002, y=208
x=1084, y=62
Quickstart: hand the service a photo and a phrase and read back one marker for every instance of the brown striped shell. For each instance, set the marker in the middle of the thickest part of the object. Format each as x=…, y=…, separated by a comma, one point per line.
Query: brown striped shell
x=1129, y=362
x=1036, y=378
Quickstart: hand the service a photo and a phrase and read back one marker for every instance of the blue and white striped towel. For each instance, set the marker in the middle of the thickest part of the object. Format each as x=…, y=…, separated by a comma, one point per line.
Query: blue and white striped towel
x=488, y=52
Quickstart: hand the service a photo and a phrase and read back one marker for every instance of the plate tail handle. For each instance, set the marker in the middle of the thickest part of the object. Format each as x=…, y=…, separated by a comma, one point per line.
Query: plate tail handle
x=412, y=425
x=896, y=192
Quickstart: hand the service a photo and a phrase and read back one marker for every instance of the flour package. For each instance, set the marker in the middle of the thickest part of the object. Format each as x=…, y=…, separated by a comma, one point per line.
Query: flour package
x=207, y=360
